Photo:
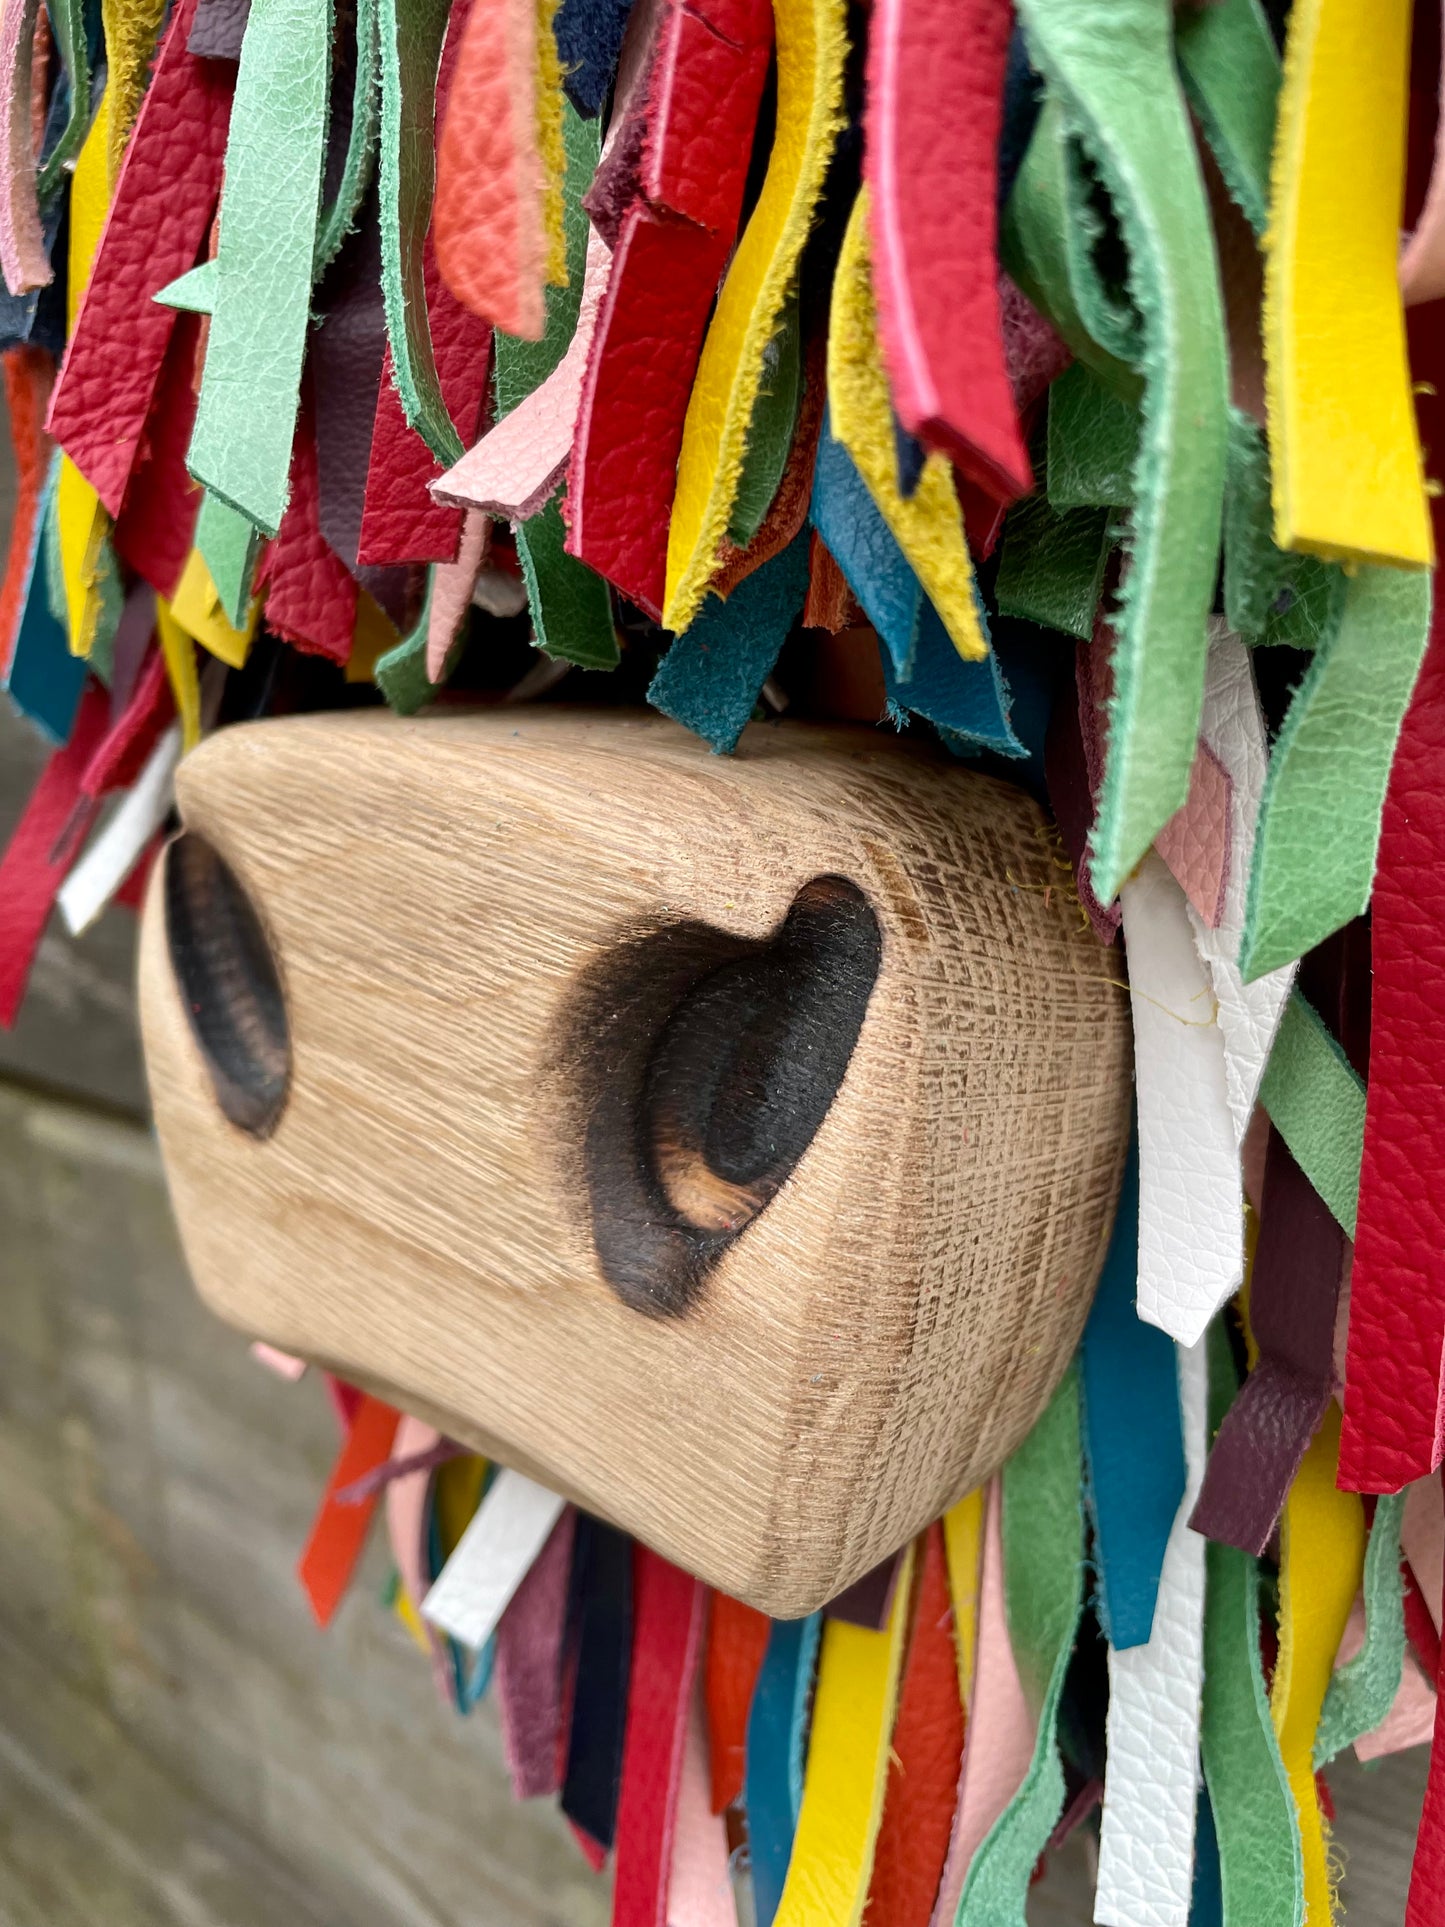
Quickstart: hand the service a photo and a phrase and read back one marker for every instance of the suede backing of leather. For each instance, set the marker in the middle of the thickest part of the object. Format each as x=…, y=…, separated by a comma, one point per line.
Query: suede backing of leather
x=157, y=222
x=1114, y=68
x=968, y=702
x=931, y=132
x=589, y=39
x=777, y=1745
x=1346, y=457
x=1364, y=1689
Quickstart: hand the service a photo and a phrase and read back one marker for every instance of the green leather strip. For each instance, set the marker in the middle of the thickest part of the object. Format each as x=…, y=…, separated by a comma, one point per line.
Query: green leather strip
x=520, y=366
x=401, y=673
x=412, y=33
x=1319, y=823
x=770, y=432
x=246, y=418
x=1043, y=1542
x=1052, y=567
x=1112, y=67
x=1093, y=443
x=1229, y=65
x=1261, y=1866
x=229, y=546
x=67, y=20
x=1270, y=596
x=193, y=292
x=339, y=218
x=1316, y=1101
x=1363, y=1691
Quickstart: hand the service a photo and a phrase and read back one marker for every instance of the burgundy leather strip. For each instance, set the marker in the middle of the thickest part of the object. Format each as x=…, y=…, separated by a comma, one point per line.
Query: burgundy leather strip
x=528, y=1673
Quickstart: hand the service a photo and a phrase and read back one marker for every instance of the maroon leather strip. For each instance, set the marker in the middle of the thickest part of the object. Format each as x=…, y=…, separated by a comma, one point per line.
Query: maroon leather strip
x=165, y=196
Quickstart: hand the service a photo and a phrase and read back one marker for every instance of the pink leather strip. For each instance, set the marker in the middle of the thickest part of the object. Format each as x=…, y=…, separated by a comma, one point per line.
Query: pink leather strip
x=1411, y=1720
x=408, y=1510
x=451, y=594
x=23, y=259
x=699, y=1887
x=1422, y=259
x=935, y=93
x=528, y=1675
x=1195, y=840
x=1422, y=1540
x=999, y=1743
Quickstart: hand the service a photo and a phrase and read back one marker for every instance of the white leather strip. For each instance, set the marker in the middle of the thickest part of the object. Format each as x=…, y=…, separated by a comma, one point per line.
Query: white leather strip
x=493, y=1556
x=1146, y=1838
x=115, y=852
x=1249, y=1014
x=1191, y=1199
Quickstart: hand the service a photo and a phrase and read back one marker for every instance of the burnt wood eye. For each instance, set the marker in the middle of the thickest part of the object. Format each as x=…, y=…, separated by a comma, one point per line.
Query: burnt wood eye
x=229, y=985
x=708, y=1064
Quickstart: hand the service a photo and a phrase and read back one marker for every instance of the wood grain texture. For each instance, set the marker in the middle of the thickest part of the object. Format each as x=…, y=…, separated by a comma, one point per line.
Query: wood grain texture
x=876, y=1340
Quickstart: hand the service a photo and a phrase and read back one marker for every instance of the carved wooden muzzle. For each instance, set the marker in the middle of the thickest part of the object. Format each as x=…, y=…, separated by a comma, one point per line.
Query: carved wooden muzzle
x=729, y=1143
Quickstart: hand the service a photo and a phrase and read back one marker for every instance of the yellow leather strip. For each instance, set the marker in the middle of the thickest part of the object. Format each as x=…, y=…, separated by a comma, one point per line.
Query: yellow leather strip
x=374, y=634
x=130, y=27
x=963, y=1549
x=550, y=149
x=1346, y=457
x=1322, y=1551
x=81, y=522
x=456, y=1494
x=928, y=524
x=848, y=1753
x=179, y=652
x=811, y=48
x=197, y=608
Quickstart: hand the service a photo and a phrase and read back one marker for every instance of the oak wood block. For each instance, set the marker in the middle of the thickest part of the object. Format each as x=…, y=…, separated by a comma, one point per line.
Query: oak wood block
x=730, y=1143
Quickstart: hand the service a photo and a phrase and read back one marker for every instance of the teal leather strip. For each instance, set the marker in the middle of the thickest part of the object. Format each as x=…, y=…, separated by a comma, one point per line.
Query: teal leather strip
x=67, y=20
x=193, y=292
x=1229, y=65
x=1316, y=1101
x=246, y=418
x=412, y=33
x=1261, y=1867
x=229, y=546
x=1043, y=1538
x=1112, y=67
x=1093, y=443
x=1319, y=822
x=1363, y=1691
x=339, y=218
x=1052, y=567
x=770, y=431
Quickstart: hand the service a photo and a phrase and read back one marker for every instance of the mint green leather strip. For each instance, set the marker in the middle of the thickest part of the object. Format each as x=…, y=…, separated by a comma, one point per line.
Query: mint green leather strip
x=1043, y=1539
x=67, y=19
x=1363, y=1691
x=339, y=218
x=1230, y=68
x=193, y=292
x=229, y=545
x=246, y=418
x=1111, y=63
x=1319, y=824
x=1316, y=1101
x=1093, y=443
x=1260, y=1862
x=412, y=33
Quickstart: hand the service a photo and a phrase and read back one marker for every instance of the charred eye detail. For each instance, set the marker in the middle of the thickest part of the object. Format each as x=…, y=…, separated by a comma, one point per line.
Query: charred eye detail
x=229, y=984
x=707, y=1064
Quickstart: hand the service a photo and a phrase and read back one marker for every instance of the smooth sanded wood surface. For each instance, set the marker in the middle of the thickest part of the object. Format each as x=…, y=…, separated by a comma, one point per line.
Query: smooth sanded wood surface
x=444, y=898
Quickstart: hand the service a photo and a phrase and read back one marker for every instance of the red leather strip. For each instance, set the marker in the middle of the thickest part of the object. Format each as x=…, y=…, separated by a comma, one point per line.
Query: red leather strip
x=399, y=520
x=339, y=1531
x=666, y=1638
x=29, y=373
x=164, y=199
x=1426, y=1905
x=123, y=751
x=926, y=1751
x=42, y=849
x=310, y=593
x=935, y=108
x=737, y=1639
x=704, y=90
x=157, y=520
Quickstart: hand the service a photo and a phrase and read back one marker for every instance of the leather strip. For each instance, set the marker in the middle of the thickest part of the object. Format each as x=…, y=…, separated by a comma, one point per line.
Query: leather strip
x=1052, y=568
x=180, y=657
x=1322, y=1544
x=451, y=594
x=737, y=1640
x=24, y=256
x=927, y=525
x=1195, y=842
x=154, y=530
x=28, y=377
x=1422, y=256
x=865, y=549
x=128, y=744
x=1319, y=825
x=1365, y=1687
x=924, y=1755
x=934, y=115
x=1230, y=71
x=509, y=1529
x=771, y=430
x=1043, y=1532
x=339, y=1531
x=1146, y=1837
x=787, y=510
x=230, y=545
x=529, y=1667
x=408, y=1520
x=196, y=605
x=1294, y=1288
x=1427, y=1878
x=669, y=1609
x=68, y=22
x=963, y=1526
x=41, y=850
x=589, y=37
x=811, y=52
x=341, y=213
x=1191, y=1204
x=130, y=29
x=776, y=1745
x=1316, y=1101
x=602, y=1584
x=1133, y=1443
x=1346, y=457
x=1115, y=71
x=858, y=1679
x=967, y=701
x=310, y=595
x=699, y=1888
